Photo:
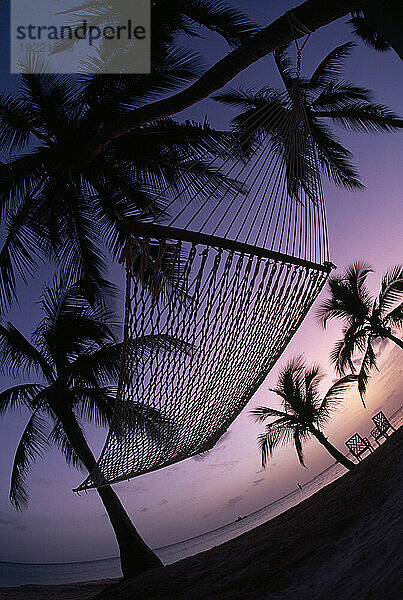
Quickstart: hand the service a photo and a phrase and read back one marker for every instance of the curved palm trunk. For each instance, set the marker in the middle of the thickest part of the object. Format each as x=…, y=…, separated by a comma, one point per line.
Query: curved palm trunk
x=395, y=339
x=135, y=555
x=337, y=455
x=313, y=14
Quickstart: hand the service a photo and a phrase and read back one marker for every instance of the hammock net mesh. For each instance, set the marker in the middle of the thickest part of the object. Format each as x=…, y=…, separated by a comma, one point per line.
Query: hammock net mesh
x=214, y=294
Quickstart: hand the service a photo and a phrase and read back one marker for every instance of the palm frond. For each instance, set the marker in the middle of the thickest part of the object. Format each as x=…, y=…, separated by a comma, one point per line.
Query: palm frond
x=364, y=116
x=291, y=386
x=261, y=413
x=148, y=421
x=166, y=142
x=162, y=156
x=19, y=253
x=354, y=339
x=363, y=29
x=176, y=17
x=96, y=367
x=59, y=438
x=24, y=394
x=334, y=158
x=78, y=247
x=349, y=298
x=368, y=363
x=69, y=316
x=159, y=343
x=391, y=289
x=16, y=127
x=324, y=96
x=265, y=111
x=334, y=396
x=340, y=94
x=298, y=446
x=51, y=100
x=341, y=355
x=330, y=68
x=313, y=375
x=243, y=98
x=355, y=277
x=115, y=94
x=20, y=178
x=95, y=405
x=68, y=215
x=290, y=372
x=356, y=274
x=395, y=317
x=33, y=443
x=276, y=434
x=283, y=62
x=18, y=356
x=231, y=23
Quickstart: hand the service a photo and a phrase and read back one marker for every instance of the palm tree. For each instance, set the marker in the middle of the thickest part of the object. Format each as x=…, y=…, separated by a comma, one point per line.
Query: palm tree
x=313, y=14
x=55, y=206
x=171, y=21
x=304, y=411
x=379, y=24
x=73, y=359
x=172, y=64
x=364, y=30
x=365, y=319
x=325, y=97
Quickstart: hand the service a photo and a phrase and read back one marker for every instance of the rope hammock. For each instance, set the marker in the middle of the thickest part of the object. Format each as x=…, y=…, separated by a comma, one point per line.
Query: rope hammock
x=214, y=295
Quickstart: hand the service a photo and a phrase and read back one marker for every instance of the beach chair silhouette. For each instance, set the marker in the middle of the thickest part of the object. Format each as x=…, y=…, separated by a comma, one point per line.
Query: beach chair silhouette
x=382, y=426
x=358, y=445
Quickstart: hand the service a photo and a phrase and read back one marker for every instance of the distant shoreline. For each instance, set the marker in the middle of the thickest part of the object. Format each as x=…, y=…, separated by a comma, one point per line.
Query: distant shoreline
x=184, y=541
x=342, y=542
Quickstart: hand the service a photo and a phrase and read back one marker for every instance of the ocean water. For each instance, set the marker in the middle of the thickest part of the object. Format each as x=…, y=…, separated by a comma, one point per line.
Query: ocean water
x=13, y=574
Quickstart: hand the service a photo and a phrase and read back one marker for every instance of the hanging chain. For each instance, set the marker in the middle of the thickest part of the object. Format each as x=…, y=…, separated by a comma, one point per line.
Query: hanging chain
x=299, y=53
x=300, y=28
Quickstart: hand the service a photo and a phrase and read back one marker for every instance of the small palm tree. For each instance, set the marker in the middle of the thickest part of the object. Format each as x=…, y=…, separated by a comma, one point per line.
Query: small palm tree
x=304, y=411
x=365, y=318
x=74, y=358
x=325, y=98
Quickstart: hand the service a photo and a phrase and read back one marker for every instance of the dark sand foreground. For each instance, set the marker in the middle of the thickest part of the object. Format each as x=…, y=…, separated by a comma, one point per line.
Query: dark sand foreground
x=340, y=544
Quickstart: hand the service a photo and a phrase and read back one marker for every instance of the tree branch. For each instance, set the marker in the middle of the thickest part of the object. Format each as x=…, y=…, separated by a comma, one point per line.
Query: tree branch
x=311, y=15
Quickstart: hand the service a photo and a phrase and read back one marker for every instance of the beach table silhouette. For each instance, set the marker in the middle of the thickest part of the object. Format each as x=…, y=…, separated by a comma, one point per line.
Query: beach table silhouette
x=358, y=445
x=382, y=426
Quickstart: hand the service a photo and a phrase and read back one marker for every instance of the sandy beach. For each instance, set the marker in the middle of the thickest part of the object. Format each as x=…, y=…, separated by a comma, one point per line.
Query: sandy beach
x=341, y=543
x=69, y=591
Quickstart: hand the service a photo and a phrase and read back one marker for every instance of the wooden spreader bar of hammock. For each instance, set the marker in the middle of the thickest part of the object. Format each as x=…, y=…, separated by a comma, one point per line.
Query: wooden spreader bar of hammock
x=143, y=229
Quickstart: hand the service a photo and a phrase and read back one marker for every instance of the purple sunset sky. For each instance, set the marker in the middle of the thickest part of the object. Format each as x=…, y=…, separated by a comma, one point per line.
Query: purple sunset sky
x=201, y=494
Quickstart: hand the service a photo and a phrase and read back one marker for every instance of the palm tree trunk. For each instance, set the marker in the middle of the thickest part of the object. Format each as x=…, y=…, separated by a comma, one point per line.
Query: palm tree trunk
x=337, y=455
x=313, y=14
x=135, y=555
x=395, y=339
